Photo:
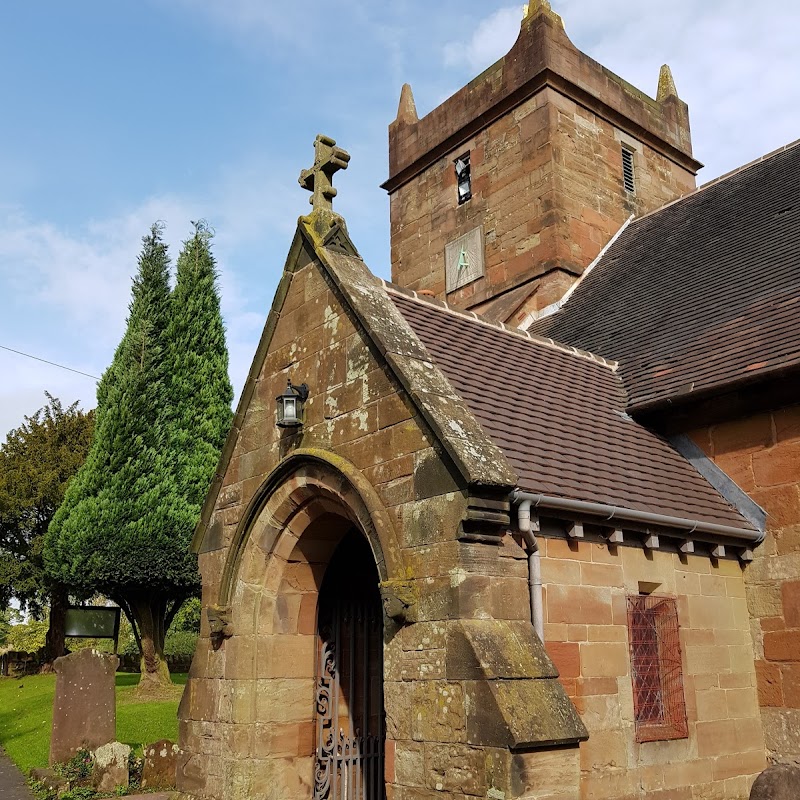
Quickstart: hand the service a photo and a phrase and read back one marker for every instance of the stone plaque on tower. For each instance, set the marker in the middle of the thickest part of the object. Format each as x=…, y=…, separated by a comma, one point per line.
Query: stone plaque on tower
x=463, y=260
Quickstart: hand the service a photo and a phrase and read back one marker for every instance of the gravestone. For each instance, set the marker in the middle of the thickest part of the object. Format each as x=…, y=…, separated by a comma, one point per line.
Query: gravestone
x=160, y=762
x=110, y=771
x=84, y=706
x=778, y=782
x=52, y=782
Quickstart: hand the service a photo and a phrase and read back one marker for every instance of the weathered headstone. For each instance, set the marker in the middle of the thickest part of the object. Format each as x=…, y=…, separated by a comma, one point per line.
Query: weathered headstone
x=160, y=762
x=50, y=780
x=778, y=782
x=110, y=770
x=84, y=706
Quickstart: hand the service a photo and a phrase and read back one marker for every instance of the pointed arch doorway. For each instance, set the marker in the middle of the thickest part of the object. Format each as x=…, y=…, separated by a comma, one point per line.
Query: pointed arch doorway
x=349, y=677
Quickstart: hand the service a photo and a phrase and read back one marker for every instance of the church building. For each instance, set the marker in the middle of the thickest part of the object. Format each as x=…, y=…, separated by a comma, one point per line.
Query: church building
x=524, y=523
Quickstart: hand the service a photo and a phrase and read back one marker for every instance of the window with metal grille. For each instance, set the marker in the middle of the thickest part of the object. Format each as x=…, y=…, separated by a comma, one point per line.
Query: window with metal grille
x=463, y=178
x=628, y=174
x=656, y=668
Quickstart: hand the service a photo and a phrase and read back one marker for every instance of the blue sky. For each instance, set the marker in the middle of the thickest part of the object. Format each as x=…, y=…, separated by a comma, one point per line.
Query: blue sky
x=119, y=114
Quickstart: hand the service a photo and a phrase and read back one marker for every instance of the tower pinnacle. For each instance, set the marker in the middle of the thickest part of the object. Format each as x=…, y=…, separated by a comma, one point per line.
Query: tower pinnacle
x=536, y=7
x=666, y=84
x=407, y=109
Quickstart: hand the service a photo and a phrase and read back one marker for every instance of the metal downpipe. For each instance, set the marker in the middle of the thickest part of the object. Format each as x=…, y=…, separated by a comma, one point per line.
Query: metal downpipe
x=534, y=567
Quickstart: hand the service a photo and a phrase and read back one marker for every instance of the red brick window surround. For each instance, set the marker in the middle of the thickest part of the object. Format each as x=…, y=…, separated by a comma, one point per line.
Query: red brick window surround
x=656, y=668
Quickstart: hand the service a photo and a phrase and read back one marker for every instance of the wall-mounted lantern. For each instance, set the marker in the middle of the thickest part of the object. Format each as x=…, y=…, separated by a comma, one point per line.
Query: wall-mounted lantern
x=290, y=405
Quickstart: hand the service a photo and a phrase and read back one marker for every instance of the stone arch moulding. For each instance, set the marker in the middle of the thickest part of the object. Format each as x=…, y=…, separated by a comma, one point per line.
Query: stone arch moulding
x=302, y=478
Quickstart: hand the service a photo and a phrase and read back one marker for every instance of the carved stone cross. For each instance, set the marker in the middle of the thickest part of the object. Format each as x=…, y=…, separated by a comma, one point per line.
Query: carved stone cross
x=328, y=159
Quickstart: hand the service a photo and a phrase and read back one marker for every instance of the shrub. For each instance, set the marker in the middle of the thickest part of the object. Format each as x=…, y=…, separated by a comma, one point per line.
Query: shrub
x=180, y=643
x=79, y=793
x=78, y=768
x=188, y=618
x=28, y=637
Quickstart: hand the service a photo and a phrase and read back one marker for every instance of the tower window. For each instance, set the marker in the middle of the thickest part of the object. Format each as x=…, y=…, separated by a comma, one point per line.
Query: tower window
x=656, y=668
x=628, y=174
x=463, y=178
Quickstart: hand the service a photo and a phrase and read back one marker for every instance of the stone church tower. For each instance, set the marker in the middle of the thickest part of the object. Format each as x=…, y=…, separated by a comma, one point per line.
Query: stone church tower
x=505, y=193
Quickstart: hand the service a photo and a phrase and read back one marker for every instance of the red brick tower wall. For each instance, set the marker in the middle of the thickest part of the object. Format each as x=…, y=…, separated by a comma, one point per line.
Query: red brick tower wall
x=761, y=453
x=544, y=127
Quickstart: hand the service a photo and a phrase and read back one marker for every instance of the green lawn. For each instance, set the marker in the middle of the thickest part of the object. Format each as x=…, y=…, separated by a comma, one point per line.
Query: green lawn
x=26, y=714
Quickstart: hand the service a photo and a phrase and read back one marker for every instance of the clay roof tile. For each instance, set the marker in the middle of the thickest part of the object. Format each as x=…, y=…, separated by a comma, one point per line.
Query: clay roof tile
x=559, y=417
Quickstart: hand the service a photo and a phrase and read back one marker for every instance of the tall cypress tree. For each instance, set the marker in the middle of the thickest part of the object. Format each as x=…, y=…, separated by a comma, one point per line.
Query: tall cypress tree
x=200, y=392
x=122, y=529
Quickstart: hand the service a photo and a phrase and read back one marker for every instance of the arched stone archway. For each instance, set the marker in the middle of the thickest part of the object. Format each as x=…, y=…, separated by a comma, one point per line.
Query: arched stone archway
x=271, y=582
x=304, y=486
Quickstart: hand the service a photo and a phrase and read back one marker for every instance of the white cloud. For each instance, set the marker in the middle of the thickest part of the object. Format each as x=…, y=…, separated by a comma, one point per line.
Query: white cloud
x=492, y=38
x=69, y=290
x=22, y=392
x=84, y=276
x=736, y=68
x=69, y=287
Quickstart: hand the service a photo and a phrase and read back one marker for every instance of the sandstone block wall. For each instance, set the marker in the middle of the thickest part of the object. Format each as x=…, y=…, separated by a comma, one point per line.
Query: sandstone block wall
x=547, y=188
x=247, y=715
x=544, y=128
x=242, y=732
x=586, y=634
x=761, y=453
x=542, y=53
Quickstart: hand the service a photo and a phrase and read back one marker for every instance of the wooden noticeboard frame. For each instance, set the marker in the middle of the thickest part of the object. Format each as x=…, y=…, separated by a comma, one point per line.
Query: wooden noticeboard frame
x=93, y=622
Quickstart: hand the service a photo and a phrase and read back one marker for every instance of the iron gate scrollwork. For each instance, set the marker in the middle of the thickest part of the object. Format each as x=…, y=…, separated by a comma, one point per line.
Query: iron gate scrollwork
x=349, y=697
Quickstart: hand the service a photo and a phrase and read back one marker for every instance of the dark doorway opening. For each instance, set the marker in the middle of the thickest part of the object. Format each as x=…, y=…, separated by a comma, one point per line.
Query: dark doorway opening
x=349, y=694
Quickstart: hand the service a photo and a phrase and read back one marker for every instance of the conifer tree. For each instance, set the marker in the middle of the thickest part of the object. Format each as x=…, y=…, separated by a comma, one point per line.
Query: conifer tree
x=37, y=461
x=200, y=392
x=123, y=529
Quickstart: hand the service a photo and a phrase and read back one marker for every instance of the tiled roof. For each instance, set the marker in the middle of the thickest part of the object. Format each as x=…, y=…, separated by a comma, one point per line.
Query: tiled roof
x=700, y=294
x=559, y=417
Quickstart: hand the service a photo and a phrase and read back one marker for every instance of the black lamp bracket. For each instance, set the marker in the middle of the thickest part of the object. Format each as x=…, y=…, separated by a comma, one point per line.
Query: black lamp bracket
x=301, y=390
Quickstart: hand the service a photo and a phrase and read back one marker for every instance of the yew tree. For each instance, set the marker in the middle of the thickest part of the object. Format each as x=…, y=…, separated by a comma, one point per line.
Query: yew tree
x=125, y=527
x=37, y=461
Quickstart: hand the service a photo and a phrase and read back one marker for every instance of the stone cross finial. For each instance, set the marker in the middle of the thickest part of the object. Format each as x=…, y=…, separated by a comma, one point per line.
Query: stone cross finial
x=328, y=159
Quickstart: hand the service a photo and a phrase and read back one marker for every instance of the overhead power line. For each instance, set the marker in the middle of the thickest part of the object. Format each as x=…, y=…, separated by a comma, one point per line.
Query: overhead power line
x=45, y=361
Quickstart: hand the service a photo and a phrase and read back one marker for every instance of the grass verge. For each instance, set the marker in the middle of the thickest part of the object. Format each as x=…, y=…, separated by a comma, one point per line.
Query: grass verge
x=26, y=717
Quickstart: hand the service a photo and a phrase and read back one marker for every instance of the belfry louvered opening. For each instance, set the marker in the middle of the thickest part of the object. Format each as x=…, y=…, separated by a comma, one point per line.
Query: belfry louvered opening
x=628, y=173
x=463, y=178
x=656, y=668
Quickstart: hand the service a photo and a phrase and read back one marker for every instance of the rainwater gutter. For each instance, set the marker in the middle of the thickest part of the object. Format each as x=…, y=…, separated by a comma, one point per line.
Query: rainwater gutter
x=704, y=531
x=525, y=501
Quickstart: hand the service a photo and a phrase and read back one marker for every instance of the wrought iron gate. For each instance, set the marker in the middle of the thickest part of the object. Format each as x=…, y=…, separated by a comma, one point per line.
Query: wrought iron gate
x=349, y=696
